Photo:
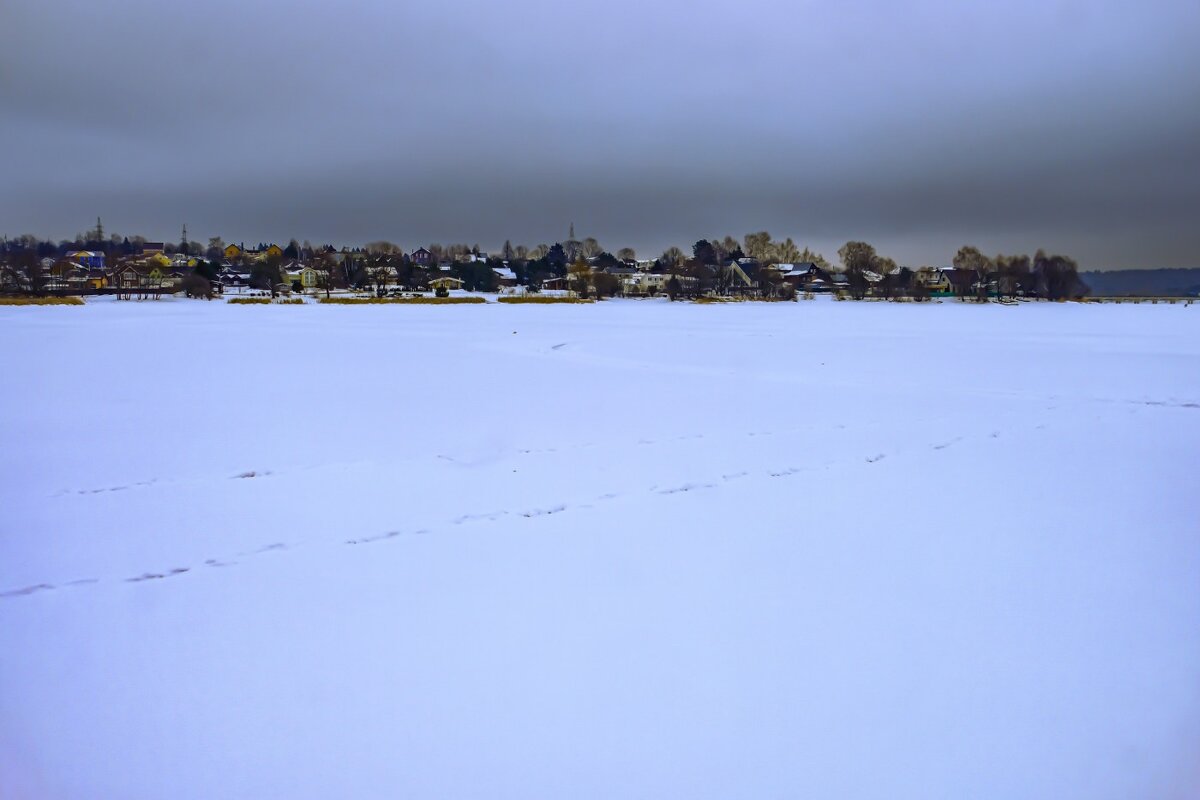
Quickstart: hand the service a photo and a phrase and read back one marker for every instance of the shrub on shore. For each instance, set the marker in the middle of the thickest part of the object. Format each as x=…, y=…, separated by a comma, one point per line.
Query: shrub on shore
x=41, y=301
x=246, y=301
x=432, y=301
x=540, y=298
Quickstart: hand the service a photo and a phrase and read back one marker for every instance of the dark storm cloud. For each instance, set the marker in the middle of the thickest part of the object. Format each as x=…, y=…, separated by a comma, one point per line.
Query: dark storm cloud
x=918, y=127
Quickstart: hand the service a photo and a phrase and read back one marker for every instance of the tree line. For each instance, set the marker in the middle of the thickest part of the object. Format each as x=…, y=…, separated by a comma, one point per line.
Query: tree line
x=587, y=265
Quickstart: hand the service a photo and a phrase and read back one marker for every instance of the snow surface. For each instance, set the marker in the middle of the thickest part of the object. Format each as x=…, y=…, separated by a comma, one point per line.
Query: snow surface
x=632, y=549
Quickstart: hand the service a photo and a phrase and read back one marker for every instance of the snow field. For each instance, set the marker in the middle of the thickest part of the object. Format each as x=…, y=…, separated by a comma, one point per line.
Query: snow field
x=625, y=549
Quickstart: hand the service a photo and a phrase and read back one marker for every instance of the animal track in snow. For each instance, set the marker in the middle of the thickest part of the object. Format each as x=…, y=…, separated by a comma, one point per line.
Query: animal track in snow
x=1169, y=404
x=384, y=536
x=783, y=473
x=154, y=576
x=541, y=512
x=688, y=487
x=491, y=516
x=106, y=489
x=39, y=587
x=873, y=459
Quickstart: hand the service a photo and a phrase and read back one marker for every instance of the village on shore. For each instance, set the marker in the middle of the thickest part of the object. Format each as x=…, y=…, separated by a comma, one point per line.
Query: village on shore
x=756, y=267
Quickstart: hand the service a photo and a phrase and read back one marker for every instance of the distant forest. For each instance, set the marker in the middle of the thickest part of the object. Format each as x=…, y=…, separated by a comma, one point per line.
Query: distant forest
x=1144, y=282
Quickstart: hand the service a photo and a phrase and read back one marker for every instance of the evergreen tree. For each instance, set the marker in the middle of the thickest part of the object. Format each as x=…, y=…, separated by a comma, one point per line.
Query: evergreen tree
x=556, y=259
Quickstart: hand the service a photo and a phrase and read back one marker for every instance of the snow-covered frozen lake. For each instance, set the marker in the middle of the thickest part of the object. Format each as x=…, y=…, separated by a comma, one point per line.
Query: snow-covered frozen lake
x=635, y=549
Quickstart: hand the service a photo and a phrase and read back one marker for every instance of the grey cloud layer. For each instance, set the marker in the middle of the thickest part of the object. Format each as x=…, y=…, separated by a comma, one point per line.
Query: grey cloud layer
x=917, y=126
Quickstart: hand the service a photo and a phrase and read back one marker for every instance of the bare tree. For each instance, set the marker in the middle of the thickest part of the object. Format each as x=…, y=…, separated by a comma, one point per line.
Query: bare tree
x=672, y=257
x=327, y=270
x=812, y=257
x=580, y=278
x=891, y=281
x=590, y=248
x=919, y=287
x=857, y=259
x=972, y=262
x=24, y=271
x=728, y=246
x=758, y=245
x=627, y=254
x=769, y=282
x=381, y=269
x=1012, y=275
x=786, y=252
x=1058, y=276
x=382, y=247
x=267, y=274
x=572, y=246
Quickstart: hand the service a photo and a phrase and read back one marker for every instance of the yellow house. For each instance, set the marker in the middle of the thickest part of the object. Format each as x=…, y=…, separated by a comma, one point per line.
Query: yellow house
x=159, y=259
x=233, y=252
x=446, y=282
x=935, y=280
x=312, y=278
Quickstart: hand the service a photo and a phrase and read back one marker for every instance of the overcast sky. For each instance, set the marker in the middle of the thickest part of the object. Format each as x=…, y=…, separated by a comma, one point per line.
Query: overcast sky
x=918, y=126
